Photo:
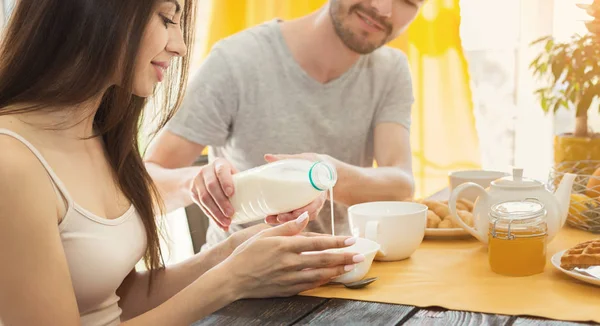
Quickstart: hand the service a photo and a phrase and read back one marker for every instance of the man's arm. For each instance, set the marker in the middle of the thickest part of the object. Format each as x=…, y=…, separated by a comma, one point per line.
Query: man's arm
x=168, y=161
x=391, y=180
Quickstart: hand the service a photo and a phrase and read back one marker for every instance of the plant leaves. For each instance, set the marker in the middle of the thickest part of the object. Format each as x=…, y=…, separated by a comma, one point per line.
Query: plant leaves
x=558, y=66
x=570, y=93
x=573, y=72
x=549, y=45
x=541, y=39
x=544, y=103
x=535, y=63
x=557, y=105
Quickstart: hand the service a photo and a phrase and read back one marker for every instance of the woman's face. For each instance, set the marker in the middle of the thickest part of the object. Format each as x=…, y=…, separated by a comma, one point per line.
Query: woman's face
x=162, y=40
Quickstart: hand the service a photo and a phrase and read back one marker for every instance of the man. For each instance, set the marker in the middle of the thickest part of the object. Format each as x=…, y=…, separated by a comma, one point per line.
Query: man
x=323, y=84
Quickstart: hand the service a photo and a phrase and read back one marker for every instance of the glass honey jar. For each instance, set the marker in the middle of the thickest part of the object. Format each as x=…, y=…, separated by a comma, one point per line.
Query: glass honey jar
x=517, y=238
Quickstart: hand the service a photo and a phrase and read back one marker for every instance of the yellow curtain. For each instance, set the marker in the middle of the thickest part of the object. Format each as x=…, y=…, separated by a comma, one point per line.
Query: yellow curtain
x=443, y=135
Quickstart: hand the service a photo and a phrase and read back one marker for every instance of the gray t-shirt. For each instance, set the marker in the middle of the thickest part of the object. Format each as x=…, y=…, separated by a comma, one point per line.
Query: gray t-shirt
x=250, y=97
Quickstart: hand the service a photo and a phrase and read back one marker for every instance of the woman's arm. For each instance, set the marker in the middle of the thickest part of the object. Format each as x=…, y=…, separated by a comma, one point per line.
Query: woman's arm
x=135, y=298
x=269, y=264
x=205, y=295
x=36, y=288
x=134, y=290
x=35, y=284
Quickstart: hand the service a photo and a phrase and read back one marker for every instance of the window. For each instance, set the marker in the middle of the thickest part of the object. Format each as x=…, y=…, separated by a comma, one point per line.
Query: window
x=490, y=32
x=513, y=129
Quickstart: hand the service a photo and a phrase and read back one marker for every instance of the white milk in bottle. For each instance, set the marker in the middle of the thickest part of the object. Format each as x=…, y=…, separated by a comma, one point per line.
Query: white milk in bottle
x=279, y=187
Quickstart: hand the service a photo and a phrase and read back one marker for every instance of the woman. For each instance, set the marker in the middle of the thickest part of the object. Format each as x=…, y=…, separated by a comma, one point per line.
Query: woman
x=77, y=206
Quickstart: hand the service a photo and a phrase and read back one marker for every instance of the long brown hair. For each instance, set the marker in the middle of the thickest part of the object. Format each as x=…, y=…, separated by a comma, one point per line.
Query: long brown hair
x=61, y=53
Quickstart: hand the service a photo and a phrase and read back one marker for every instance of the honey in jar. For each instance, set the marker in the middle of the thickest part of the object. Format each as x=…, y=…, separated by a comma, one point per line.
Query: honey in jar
x=517, y=238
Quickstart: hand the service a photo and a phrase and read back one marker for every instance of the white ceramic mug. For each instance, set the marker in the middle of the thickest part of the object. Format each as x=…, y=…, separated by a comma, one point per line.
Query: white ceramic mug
x=481, y=177
x=398, y=227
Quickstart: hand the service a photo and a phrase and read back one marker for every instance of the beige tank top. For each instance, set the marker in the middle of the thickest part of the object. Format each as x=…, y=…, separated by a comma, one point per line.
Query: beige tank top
x=100, y=252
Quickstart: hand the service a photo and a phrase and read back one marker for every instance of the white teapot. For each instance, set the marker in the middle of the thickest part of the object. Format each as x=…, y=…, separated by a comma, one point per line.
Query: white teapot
x=512, y=188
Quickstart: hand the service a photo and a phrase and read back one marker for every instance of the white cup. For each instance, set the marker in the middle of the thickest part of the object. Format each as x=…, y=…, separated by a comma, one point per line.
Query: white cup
x=481, y=177
x=399, y=227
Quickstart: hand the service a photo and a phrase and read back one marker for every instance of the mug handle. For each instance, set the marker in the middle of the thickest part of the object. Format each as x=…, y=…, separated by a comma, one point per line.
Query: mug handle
x=454, y=212
x=371, y=234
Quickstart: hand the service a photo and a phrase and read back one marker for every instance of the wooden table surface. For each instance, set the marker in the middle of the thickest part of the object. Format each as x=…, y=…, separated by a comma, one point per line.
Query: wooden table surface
x=302, y=310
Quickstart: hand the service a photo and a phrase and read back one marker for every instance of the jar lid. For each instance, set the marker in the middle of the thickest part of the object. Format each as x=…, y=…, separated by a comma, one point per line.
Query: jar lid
x=523, y=218
x=518, y=210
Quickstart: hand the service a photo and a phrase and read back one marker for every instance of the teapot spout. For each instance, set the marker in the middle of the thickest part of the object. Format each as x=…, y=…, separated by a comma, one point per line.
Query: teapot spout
x=563, y=195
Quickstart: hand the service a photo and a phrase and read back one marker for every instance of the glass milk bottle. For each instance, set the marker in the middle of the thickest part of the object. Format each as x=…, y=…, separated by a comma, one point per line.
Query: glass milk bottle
x=279, y=187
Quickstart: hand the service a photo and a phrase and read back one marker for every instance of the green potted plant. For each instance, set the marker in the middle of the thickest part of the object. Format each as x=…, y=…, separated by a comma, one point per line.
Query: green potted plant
x=571, y=71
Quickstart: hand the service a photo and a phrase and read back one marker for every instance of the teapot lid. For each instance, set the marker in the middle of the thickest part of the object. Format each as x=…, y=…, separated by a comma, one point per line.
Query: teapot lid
x=517, y=181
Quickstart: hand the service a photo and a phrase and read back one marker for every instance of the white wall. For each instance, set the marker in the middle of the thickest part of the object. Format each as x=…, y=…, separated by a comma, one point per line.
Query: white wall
x=1, y=13
x=490, y=38
x=511, y=125
x=534, y=130
x=8, y=6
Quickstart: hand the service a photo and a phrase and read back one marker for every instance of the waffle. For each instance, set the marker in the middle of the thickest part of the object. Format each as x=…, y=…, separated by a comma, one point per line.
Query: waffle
x=583, y=255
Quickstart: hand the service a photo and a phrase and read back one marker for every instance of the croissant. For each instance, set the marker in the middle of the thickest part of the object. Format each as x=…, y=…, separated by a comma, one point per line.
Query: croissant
x=438, y=215
x=433, y=220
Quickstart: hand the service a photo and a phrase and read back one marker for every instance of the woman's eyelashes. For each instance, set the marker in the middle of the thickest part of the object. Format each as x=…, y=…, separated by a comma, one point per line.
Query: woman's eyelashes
x=167, y=21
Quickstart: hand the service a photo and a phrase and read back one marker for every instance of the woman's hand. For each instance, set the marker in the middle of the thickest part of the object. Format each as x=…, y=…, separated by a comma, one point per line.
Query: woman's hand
x=276, y=262
x=241, y=236
x=313, y=210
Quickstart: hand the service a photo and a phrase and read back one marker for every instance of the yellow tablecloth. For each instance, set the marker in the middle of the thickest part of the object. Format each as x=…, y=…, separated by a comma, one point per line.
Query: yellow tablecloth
x=455, y=274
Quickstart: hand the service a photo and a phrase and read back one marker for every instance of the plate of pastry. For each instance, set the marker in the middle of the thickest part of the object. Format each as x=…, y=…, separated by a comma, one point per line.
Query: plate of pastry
x=581, y=262
x=441, y=224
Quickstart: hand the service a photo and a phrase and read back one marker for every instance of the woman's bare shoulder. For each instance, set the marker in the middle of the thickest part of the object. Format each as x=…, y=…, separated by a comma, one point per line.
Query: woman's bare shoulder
x=22, y=176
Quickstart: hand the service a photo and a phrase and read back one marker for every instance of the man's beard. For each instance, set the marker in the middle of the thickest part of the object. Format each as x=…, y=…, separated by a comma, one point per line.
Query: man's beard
x=349, y=37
